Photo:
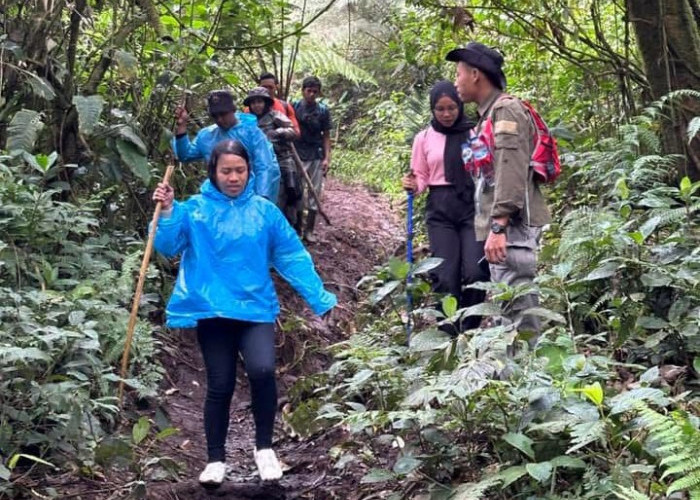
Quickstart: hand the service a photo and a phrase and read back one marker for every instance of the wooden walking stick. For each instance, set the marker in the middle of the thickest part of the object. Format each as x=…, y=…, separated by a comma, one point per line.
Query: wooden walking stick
x=305, y=175
x=139, y=287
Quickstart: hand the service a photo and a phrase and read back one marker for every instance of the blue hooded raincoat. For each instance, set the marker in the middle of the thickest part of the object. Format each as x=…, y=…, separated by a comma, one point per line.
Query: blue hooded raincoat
x=263, y=161
x=228, y=245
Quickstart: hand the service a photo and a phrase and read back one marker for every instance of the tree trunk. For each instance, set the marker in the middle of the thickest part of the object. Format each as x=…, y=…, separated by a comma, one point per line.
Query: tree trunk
x=668, y=40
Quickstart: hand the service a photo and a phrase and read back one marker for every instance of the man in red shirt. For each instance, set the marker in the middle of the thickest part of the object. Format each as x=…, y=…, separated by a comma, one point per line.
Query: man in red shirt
x=270, y=82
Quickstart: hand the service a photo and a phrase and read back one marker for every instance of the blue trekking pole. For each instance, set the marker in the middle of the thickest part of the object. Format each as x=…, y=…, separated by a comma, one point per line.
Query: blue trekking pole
x=409, y=259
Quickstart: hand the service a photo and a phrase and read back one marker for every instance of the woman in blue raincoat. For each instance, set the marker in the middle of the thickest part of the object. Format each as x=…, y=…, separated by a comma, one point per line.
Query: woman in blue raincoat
x=229, y=237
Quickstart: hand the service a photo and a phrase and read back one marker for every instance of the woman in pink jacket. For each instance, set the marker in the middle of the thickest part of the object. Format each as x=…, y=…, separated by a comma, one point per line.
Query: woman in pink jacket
x=437, y=165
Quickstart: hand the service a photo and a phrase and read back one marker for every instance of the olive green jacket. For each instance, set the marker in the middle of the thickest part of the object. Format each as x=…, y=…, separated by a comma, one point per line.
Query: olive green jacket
x=514, y=192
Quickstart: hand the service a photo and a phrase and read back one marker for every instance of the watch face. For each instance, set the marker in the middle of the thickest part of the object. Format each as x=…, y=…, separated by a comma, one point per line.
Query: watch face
x=497, y=228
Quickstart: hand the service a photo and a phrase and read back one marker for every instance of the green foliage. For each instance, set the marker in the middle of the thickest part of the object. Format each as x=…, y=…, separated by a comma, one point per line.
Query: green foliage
x=62, y=323
x=676, y=440
x=620, y=296
x=323, y=60
x=23, y=130
x=89, y=110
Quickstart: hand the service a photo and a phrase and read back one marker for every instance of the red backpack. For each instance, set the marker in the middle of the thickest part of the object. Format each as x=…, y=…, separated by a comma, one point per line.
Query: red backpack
x=545, y=157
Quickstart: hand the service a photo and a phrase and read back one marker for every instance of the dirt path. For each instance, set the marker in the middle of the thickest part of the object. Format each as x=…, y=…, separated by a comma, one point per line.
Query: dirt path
x=363, y=233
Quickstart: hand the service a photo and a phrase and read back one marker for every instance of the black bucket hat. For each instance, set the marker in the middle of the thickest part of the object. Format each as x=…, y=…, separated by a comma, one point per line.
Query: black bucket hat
x=483, y=58
x=220, y=101
x=258, y=93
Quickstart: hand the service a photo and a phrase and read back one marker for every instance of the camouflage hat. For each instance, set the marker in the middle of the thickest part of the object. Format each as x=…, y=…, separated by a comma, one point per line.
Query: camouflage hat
x=258, y=93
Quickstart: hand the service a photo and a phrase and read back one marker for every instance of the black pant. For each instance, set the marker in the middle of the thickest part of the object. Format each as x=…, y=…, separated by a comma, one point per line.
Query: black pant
x=450, y=221
x=220, y=341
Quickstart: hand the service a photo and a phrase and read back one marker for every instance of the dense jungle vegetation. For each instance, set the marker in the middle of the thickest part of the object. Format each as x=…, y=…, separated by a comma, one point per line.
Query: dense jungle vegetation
x=606, y=406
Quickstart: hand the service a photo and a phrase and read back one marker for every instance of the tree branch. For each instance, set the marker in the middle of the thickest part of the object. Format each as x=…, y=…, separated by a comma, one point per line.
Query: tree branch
x=254, y=46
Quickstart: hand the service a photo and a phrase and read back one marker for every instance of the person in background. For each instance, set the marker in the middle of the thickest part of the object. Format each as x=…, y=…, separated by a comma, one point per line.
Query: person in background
x=270, y=82
x=228, y=238
x=437, y=166
x=229, y=125
x=279, y=130
x=314, y=145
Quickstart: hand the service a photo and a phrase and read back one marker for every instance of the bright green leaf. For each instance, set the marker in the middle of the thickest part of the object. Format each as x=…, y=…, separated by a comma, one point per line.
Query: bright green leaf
x=449, y=305
x=511, y=474
x=140, y=430
x=594, y=392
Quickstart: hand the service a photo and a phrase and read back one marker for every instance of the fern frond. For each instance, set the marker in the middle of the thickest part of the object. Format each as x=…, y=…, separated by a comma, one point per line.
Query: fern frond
x=476, y=491
x=585, y=433
x=624, y=493
x=679, y=446
x=693, y=128
x=323, y=60
x=671, y=216
x=658, y=108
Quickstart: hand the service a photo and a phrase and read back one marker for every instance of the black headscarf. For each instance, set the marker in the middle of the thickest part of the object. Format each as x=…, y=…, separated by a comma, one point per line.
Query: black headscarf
x=457, y=134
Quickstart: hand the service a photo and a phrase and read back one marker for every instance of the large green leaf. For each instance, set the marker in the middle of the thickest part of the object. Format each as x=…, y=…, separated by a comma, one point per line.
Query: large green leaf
x=133, y=159
x=89, y=110
x=511, y=474
x=140, y=430
x=127, y=63
x=430, y=340
x=567, y=462
x=385, y=290
x=521, y=442
x=541, y=471
x=406, y=464
x=128, y=134
x=27, y=355
x=23, y=130
x=41, y=87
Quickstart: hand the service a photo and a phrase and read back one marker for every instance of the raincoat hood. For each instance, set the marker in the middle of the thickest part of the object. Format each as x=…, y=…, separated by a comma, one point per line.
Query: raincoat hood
x=209, y=190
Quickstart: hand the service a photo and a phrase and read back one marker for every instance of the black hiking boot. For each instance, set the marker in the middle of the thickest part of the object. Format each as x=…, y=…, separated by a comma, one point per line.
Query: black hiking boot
x=309, y=229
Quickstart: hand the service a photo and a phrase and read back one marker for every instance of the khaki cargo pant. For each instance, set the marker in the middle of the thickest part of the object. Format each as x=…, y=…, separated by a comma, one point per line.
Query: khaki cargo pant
x=315, y=171
x=519, y=268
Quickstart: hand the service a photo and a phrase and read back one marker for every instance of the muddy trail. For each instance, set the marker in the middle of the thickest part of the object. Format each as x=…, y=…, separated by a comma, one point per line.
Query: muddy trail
x=363, y=233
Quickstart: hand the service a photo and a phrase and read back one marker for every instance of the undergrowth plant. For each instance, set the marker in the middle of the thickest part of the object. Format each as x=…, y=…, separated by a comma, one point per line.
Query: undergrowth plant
x=64, y=293
x=598, y=409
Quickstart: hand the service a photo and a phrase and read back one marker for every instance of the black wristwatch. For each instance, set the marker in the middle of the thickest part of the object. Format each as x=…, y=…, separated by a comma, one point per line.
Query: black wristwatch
x=497, y=228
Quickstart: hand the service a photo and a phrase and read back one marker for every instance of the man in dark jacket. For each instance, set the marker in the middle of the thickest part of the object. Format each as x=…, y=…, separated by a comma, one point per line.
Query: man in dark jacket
x=314, y=145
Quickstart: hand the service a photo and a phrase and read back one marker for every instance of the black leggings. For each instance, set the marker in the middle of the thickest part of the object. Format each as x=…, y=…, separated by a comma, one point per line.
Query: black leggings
x=450, y=222
x=220, y=341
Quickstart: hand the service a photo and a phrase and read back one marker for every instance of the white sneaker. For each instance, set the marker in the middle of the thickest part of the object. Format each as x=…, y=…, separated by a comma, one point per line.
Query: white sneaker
x=268, y=465
x=213, y=475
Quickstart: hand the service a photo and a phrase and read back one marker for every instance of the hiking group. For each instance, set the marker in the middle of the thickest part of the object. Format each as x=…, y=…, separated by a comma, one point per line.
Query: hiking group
x=485, y=214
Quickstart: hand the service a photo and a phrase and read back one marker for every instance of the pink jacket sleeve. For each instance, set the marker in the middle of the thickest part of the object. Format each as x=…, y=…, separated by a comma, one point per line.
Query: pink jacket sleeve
x=419, y=161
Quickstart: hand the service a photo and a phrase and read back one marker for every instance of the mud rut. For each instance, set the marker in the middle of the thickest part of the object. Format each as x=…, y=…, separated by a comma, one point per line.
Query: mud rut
x=364, y=232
